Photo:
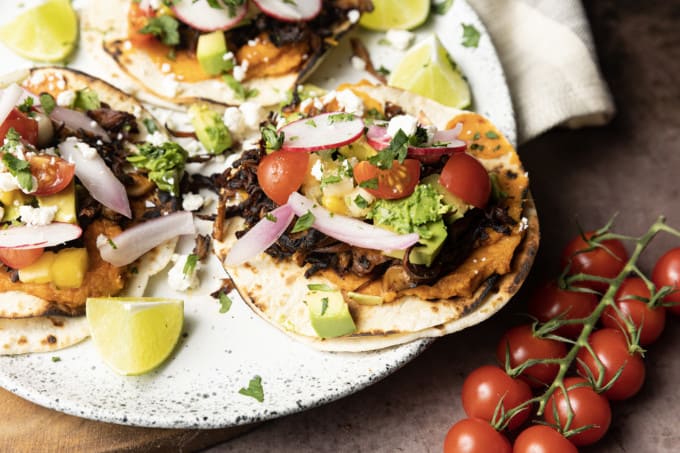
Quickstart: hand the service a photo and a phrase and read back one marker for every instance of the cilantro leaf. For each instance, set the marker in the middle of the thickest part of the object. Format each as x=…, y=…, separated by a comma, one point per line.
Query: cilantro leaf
x=369, y=184
x=304, y=223
x=48, y=103
x=254, y=389
x=150, y=125
x=360, y=202
x=26, y=106
x=492, y=135
x=442, y=8
x=397, y=150
x=20, y=169
x=165, y=164
x=165, y=28
x=225, y=302
x=273, y=139
x=470, y=36
x=240, y=91
x=190, y=264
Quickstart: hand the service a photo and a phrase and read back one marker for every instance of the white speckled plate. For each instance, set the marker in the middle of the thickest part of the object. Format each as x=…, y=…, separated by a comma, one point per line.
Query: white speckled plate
x=220, y=353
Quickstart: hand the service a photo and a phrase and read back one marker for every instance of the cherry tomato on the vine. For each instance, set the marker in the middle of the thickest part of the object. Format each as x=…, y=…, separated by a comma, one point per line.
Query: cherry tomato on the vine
x=474, y=435
x=611, y=347
x=667, y=273
x=281, y=173
x=549, y=302
x=26, y=127
x=522, y=345
x=599, y=262
x=20, y=258
x=650, y=321
x=484, y=388
x=588, y=408
x=542, y=439
x=465, y=177
x=392, y=183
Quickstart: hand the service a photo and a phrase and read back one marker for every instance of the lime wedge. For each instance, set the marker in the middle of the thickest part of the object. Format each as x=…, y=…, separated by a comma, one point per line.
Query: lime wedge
x=47, y=32
x=388, y=14
x=427, y=69
x=134, y=335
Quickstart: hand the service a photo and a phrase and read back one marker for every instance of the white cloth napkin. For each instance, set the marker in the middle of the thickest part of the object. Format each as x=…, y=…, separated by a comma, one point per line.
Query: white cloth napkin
x=547, y=51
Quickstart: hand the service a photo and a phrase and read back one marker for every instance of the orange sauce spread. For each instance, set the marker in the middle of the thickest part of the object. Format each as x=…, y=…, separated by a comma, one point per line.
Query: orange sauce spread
x=265, y=59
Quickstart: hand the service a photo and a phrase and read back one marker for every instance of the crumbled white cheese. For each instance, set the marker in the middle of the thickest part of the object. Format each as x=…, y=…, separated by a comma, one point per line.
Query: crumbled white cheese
x=317, y=170
x=86, y=150
x=37, y=216
x=406, y=123
x=61, y=83
x=523, y=224
x=180, y=281
x=252, y=114
x=350, y=102
x=430, y=131
x=358, y=63
x=353, y=15
x=157, y=138
x=239, y=72
x=329, y=97
x=233, y=119
x=170, y=85
x=306, y=105
x=38, y=78
x=8, y=182
x=66, y=98
x=165, y=67
x=228, y=56
x=192, y=202
x=127, y=45
x=400, y=39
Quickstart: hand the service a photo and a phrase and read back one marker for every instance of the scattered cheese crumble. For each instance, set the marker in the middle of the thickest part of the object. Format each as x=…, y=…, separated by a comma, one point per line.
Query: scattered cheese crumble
x=37, y=216
x=407, y=123
x=180, y=281
x=400, y=39
x=192, y=202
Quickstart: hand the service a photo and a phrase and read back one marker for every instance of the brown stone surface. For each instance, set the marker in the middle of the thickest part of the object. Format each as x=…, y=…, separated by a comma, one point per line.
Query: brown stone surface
x=631, y=167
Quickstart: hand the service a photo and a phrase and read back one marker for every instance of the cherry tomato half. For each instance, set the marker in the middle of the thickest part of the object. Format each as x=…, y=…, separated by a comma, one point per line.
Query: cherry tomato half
x=599, y=261
x=522, y=345
x=20, y=258
x=467, y=179
x=25, y=126
x=53, y=173
x=667, y=273
x=473, y=435
x=549, y=302
x=650, y=321
x=281, y=173
x=484, y=388
x=137, y=19
x=588, y=407
x=393, y=183
x=611, y=348
x=542, y=439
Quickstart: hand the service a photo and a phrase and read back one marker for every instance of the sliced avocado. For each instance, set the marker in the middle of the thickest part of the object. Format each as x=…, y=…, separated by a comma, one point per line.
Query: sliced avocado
x=210, y=129
x=65, y=201
x=424, y=254
x=210, y=52
x=329, y=314
x=458, y=206
x=365, y=299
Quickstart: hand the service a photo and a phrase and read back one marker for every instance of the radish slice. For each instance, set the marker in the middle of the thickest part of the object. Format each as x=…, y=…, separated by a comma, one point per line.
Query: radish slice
x=261, y=236
x=378, y=138
x=136, y=241
x=76, y=120
x=325, y=131
x=96, y=176
x=9, y=99
x=200, y=15
x=32, y=237
x=449, y=137
x=290, y=11
x=349, y=230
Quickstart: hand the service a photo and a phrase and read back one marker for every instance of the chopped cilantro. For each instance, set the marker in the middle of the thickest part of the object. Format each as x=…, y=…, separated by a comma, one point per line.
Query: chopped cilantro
x=273, y=139
x=319, y=287
x=492, y=135
x=374, y=114
x=254, y=389
x=190, y=264
x=240, y=91
x=336, y=117
x=18, y=168
x=442, y=8
x=470, y=36
x=360, y=202
x=476, y=136
x=383, y=70
x=225, y=302
x=304, y=223
x=56, y=358
x=496, y=191
x=165, y=164
x=47, y=102
x=395, y=151
x=369, y=183
x=271, y=217
x=324, y=305
x=26, y=106
x=164, y=27
x=419, y=138
x=333, y=179
x=311, y=122
x=150, y=125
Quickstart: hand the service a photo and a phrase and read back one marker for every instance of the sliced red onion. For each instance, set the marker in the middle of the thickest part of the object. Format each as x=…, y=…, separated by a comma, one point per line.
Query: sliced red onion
x=290, y=11
x=136, y=241
x=349, y=230
x=96, y=176
x=200, y=15
x=9, y=99
x=32, y=237
x=325, y=131
x=261, y=236
x=377, y=137
x=449, y=137
x=76, y=120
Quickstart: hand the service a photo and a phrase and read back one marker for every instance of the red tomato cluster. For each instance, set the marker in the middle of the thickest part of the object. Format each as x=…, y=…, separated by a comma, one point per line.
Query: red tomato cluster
x=606, y=366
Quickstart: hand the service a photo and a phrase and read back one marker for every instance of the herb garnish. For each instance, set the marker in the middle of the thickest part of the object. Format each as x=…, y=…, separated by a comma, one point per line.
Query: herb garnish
x=319, y=287
x=254, y=389
x=442, y=8
x=397, y=150
x=47, y=102
x=165, y=164
x=271, y=217
x=304, y=223
x=360, y=202
x=56, y=358
x=26, y=106
x=150, y=125
x=492, y=135
x=190, y=264
x=111, y=243
x=369, y=183
x=164, y=27
x=336, y=117
x=240, y=91
x=470, y=36
x=225, y=302
x=18, y=168
x=324, y=305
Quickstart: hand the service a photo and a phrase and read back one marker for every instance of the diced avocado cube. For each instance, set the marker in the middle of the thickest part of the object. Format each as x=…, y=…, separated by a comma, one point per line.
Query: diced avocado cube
x=210, y=129
x=365, y=299
x=210, y=51
x=40, y=271
x=430, y=246
x=11, y=201
x=65, y=201
x=359, y=149
x=329, y=314
x=69, y=268
x=458, y=206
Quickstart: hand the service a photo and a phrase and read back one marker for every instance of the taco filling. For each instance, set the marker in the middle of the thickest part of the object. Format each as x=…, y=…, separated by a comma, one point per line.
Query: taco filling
x=379, y=197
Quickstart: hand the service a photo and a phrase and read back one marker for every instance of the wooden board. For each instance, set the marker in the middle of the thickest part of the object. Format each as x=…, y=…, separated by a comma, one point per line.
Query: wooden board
x=27, y=427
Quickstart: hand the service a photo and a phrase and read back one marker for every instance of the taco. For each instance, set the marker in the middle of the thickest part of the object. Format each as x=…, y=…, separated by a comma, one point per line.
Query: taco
x=371, y=217
x=223, y=51
x=89, y=191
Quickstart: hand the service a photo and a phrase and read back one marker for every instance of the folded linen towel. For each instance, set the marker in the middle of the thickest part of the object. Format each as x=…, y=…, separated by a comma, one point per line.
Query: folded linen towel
x=549, y=59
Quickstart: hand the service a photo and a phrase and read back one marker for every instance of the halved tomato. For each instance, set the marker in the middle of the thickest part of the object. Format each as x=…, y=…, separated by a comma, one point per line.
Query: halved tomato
x=137, y=19
x=20, y=258
x=53, y=173
x=25, y=126
x=393, y=183
x=465, y=177
x=281, y=173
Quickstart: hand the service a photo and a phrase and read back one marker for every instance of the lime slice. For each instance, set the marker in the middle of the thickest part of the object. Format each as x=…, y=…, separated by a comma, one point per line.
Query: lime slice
x=388, y=14
x=134, y=335
x=427, y=70
x=47, y=32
